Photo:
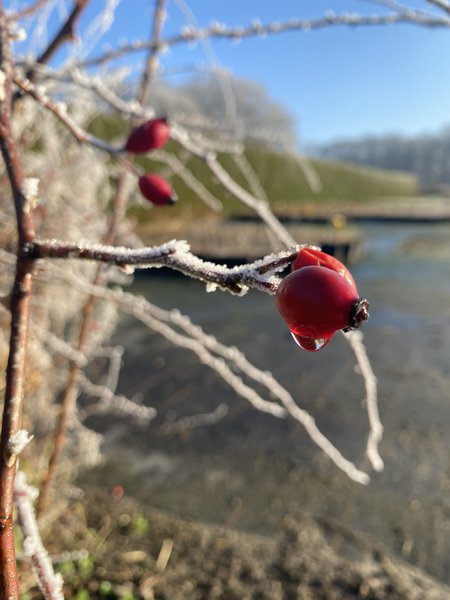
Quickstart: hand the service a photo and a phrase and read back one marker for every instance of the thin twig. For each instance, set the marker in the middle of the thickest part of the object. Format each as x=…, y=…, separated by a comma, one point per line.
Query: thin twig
x=64, y=34
x=51, y=585
x=26, y=12
x=355, y=339
x=221, y=31
x=153, y=52
x=60, y=113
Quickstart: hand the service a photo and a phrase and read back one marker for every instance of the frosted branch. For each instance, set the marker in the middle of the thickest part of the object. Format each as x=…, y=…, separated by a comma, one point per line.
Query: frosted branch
x=98, y=86
x=198, y=420
x=257, y=29
x=204, y=346
x=175, y=255
x=261, y=208
x=200, y=347
x=355, y=339
x=188, y=177
x=60, y=113
x=109, y=402
x=51, y=584
x=56, y=344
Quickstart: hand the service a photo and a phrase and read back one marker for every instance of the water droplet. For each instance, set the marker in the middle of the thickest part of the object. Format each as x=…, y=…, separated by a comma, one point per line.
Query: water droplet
x=310, y=344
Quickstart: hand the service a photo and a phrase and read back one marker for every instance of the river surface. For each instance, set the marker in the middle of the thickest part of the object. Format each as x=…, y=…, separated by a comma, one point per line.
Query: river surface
x=250, y=469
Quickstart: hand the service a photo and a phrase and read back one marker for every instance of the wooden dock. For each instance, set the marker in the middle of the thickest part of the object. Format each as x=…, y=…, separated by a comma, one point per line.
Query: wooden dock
x=234, y=242
x=415, y=210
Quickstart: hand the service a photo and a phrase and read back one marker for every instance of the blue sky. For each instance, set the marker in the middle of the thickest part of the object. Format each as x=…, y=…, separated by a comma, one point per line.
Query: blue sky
x=337, y=82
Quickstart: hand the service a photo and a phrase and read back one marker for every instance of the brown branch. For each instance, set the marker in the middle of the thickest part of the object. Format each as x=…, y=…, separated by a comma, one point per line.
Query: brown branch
x=152, y=60
x=26, y=12
x=20, y=313
x=64, y=34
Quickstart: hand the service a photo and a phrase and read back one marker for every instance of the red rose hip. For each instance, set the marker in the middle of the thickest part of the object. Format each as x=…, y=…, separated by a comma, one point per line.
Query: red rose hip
x=308, y=257
x=156, y=189
x=316, y=302
x=149, y=136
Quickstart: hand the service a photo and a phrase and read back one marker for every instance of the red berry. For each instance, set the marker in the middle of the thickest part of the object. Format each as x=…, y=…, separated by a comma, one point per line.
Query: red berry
x=309, y=257
x=156, y=189
x=148, y=136
x=316, y=302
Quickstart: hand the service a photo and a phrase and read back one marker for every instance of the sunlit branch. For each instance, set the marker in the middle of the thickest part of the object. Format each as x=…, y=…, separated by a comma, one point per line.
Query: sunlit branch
x=222, y=31
x=355, y=339
x=189, y=179
x=175, y=255
x=60, y=113
x=50, y=584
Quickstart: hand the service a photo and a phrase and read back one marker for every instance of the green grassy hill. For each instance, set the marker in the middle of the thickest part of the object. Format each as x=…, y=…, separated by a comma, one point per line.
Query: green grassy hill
x=286, y=185
x=281, y=177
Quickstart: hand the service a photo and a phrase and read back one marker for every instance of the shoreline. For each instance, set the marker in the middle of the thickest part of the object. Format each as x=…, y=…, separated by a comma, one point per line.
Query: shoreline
x=148, y=553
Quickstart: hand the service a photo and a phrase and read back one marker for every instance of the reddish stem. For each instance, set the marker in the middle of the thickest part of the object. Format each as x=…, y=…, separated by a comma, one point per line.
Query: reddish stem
x=20, y=313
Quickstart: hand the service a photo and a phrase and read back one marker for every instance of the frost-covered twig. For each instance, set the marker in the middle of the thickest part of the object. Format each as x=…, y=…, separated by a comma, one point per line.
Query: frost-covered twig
x=50, y=584
x=261, y=208
x=99, y=86
x=251, y=177
x=192, y=421
x=222, y=31
x=233, y=355
x=206, y=347
x=189, y=178
x=61, y=114
x=56, y=344
x=151, y=66
x=175, y=255
x=355, y=339
x=109, y=402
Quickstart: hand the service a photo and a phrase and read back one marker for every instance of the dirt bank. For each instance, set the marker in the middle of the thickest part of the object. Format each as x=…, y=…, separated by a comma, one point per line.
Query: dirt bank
x=138, y=552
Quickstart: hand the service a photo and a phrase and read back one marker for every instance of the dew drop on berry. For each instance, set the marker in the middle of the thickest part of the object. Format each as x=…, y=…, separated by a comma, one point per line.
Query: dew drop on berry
x=310, y=344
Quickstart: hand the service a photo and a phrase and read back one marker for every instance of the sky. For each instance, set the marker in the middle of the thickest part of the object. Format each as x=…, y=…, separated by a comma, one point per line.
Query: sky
x=339, y=82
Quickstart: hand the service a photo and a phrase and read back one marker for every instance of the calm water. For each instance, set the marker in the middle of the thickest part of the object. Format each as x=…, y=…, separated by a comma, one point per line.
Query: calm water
x=251, y=469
